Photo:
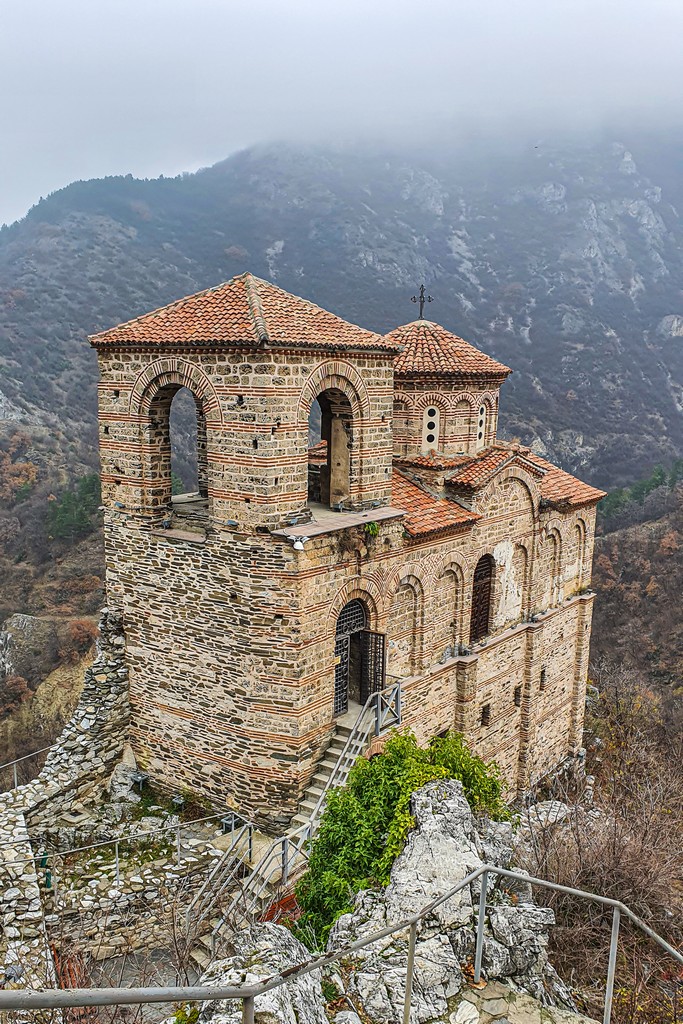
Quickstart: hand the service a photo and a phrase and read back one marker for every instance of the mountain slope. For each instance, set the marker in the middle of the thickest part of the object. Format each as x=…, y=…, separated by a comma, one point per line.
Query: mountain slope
x=562, y=261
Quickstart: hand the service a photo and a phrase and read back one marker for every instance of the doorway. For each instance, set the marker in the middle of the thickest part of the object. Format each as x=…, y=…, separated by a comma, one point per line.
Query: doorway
x=359, y=658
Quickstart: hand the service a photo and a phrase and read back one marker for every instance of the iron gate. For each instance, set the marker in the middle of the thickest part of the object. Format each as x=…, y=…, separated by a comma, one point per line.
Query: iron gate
x=353, y=620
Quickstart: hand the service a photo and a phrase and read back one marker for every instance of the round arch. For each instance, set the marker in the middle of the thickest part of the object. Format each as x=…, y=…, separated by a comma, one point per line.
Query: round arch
x=356, y=590
x=174, y=372
x=338, y=375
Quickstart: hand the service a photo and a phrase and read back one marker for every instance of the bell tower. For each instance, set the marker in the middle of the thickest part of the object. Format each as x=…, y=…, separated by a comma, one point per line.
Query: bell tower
x=206, y=581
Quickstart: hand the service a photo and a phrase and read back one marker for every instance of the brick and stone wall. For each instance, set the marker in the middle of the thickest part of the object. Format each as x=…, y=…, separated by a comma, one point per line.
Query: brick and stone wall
x=230, y=632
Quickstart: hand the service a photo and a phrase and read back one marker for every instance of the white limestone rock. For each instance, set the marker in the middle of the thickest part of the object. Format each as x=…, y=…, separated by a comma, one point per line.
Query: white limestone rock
x=446, y=845
x=261, y=951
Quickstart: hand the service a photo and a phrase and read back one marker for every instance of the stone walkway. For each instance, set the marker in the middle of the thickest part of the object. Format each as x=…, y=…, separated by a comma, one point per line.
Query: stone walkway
x=497, y=1003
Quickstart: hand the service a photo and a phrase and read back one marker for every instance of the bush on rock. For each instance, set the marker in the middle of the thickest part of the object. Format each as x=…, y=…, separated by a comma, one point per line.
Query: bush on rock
x=365, y=823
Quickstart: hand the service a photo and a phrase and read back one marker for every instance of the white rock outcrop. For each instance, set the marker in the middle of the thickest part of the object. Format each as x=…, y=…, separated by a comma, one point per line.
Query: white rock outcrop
x=446, y=845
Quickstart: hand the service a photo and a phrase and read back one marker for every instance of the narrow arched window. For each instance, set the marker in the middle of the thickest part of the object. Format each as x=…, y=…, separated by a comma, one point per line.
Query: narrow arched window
x=482, y=589
x=430, y=429
x=481, y=426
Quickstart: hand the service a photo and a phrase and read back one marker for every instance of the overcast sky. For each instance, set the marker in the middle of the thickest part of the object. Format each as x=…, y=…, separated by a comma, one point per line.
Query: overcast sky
x=95, y=87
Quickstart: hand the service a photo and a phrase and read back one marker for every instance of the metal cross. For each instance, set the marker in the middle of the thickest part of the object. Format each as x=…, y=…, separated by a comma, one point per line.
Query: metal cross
x=422, y=299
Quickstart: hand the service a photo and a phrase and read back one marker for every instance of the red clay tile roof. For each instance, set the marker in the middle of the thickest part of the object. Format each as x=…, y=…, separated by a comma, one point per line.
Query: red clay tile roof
x=244, y=311
x=559, y=489
x=317, y=455
x=426, y=514
x=430, y=350
x=485, y=465
x=562, y=490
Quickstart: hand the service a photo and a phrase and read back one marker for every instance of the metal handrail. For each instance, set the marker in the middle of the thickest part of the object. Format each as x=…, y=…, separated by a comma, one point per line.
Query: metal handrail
x=379, y=703
x=25, y=757
x=198, y=907
x=105, y=842
x=60, y=998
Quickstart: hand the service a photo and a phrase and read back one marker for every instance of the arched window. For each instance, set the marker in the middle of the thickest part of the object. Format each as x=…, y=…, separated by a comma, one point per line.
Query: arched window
x=580, y=541
x=329, y=461
x=482, y=425
x=430, y=429
x=177, y=443
x=482, y=588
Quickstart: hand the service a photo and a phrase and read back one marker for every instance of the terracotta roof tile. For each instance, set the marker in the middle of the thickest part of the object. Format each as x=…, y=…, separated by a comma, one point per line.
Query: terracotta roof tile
x=426, y=514
x=563, y=490
x=431, y=350
x=558, y=488
x=317, y=455
x=434, y=461
x=244, y=311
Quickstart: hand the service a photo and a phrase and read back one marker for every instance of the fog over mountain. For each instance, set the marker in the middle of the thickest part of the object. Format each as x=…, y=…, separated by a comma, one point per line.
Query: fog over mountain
x=161, y=86
x=562, y=259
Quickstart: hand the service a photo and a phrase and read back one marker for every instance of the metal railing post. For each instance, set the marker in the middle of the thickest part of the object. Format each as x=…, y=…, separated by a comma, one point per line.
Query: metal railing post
x=251, y=843
x=409, y=973
x=480, y=928
x=285, y=861
x=178, y=846
x=116, y=856
x=611, y=968
x=248, y=1010
x=14, y=767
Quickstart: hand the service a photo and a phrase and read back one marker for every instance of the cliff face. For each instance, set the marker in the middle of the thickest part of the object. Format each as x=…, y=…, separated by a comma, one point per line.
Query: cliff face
x=562, y=260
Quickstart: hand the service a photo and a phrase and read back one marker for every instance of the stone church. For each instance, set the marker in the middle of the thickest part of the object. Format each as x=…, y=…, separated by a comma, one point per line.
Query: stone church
x=407, y=545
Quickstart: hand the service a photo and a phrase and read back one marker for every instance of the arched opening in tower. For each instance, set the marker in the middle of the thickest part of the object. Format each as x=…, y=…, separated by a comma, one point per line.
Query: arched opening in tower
x=185, y=430
x=329, y=460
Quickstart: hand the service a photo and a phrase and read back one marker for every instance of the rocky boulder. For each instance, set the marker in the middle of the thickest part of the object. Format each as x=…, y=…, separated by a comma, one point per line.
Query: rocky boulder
x=446, y=845
x=260, y=952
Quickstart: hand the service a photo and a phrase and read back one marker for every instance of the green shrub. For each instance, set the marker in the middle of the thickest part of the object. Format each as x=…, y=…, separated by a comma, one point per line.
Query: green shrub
x=366, y=822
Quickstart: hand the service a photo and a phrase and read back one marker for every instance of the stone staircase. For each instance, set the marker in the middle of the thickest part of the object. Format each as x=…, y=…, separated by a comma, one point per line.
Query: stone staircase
x=257, y=883
x=321, y=775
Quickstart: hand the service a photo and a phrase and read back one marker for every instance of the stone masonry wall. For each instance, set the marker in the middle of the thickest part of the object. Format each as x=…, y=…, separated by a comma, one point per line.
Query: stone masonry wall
x=80, y=761
x=255, y=406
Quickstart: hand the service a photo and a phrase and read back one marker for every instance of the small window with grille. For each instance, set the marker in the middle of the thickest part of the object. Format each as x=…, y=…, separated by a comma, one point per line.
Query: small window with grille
x=431, y=421
x=486, y=714
x=542, y=680
x=518, y=696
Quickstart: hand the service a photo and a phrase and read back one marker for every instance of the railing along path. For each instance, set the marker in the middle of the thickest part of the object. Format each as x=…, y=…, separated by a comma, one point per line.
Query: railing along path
x=57, y=999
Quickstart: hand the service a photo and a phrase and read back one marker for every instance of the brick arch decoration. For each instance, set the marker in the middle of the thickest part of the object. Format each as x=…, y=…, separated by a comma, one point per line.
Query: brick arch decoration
x=362, y=590
x=335, y=373
x=457, y=565
x=160, y=374
x=438, y=398
x=529, y=484
x=413, y=575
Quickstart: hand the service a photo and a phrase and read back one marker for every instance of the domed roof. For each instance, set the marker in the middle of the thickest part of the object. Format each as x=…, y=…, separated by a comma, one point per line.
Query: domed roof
x=429, y=350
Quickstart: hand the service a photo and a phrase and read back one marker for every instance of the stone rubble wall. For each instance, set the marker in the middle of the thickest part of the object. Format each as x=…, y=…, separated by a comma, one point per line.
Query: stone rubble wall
x=90, y=743
x=80, y=760
x=24, y=943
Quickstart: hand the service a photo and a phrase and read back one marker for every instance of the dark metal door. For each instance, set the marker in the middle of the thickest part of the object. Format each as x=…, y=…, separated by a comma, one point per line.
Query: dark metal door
x=342, y=646
x=481, y=598
x=372, y=648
